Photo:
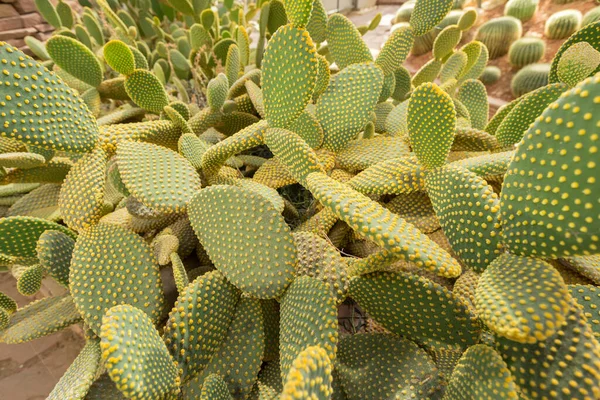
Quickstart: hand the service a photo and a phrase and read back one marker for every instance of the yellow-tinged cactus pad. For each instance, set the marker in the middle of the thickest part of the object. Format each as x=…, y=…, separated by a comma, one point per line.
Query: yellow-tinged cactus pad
x=216, y=91
x=555, y=212
x=446, y=41
x=76, y=381
x=81, y=198
x=19, y=235
x=371, y=220
x=473, y=95
x=310, y=376
x=395, y=176
x=160, y=178
x=146, y=91
x=346, y=45
x=468, y=210
x=289, y=74
x=385, y=366
x=589, y=33
x=54, y=251
x=41, y=202
x=106, y=253
x=54, y=171
x=431, y=124
x=40, y=318
x=214, y=388
x=119, y=56
x=566, y=364
x=481, y=374
x=21, y=160
x=395, y=50
x=363, y=153
x=206, y=307
x=75, y=58
x=163, y=133
x=588, y=297
x=308, y=318
x=522, y=299
x=427, y=14
x=298, y=12
x=345, y=106
x=128, y=332
x=487, y=166
x=246, y=239
x=72, y=127
x=317, y=23
x=415, y=308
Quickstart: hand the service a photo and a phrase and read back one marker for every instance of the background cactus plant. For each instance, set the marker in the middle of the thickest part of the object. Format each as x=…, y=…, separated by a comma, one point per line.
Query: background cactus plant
x=233, y=200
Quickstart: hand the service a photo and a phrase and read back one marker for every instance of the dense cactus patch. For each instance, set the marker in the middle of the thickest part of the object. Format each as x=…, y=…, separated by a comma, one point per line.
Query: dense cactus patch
x=216, y=186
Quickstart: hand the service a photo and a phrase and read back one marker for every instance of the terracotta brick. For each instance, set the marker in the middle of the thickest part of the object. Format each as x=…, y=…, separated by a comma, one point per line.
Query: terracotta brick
x=7, y=11
x=17, y=33
x=25, y=6
x=7, y=1
x=7, y=24
x=16, y=42
x=44, y=27
x=27, y=51
x=31, y=19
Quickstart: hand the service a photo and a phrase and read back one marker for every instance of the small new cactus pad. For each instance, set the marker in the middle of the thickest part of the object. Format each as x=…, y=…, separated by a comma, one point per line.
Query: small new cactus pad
x=431, y=123
x=524, y=10
x=468, y=211
x=346, y=45
x=481, y=374
x=239, y=358
x=427, y=73
x=588, y=297
x=577, y=63
x=127, y=331
x=7, y=303
x=81, y=198
x=473, y=95
x=216, y=91
x=160, y=178
x=345, y=106
x=467, y=19
x=19, y=235
x=564, y=131
x=75, y=58
x=310, y=376
x=120, y=57
x=289, y=75
x=477, y=58
x=573, y=347
x=530, y=78
x=498, y=34
x=54, y=251
x=72, y=127
x=513, y=126
x=522, y=299
x=589, y=33
x=363, y=359
x=76, y=381
x=105, y=253
x=562, y=24
x=415, y=308
x=262, y=262
x=308, y=318
x=427, y=14
x=146, y=91
x=40, y=318
x=395, y=50
x=191, y=313
x=445, y=41
x=527, y=50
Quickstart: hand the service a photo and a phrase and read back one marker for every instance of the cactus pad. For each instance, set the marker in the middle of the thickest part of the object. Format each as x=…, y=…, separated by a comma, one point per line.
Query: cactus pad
x=473, y=95
x=19, y=235
x=41, y=203
x=120, y=57
x=395, y=50
x=577, y=63
x=427, y=14
x=346, y=45
x=310, y=376
x=54, y=251
x=75, y=58
x=146, y=91
x=76, y=381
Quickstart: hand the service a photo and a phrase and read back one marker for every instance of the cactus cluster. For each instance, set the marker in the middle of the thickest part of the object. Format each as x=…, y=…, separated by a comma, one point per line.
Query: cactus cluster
x=213, y=205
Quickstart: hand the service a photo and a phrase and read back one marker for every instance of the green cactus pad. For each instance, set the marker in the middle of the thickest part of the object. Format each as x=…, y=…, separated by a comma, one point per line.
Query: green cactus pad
x=54, y=171
x=467, y=208
x=75, y=58
x=345, y=106
x=481, y=373
x=7, y=303
x=82, y=194
x=120, y=57
x=209, y=324
x=395, y=176
x=309, y=376
x=308, y=128
x=19, y=235
x=216, y=91
x=346, y=45
x=40, y=318
x=323, y=75
x=264, y=265
x=446, y=41
x=588, y=297
x=21, y=160
x=487, y=166
x=48, y=11
x=54, y=251
x=72, y=128
x=522, y=299
x=308, y=318
x=473, y=95
x=577, y=63
x=293, y=152
x=179, y=273
x=30, y=280
x=232, y=63
x=515, y=124
x=39, y=203
x=415, y=308
x=97, y=255
x=256, y=97
x=214, y=388
x=76, y=381
x=376, y=223
x=317, y=24
x=565, y=364
x=427, y=14
x=363, y=153
x=588, y=266
x=562, y=24
x=477, y=58
x=160, y=178
x=146, y=91
x=589, y=33
x=127, y=331
x=395, y=50
x=569, y=199
x=298, y=12
x=469, y=139
x=415, y=208
x=431, y=123
x=382, y=365
x=289, y=73
x=163, y=133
